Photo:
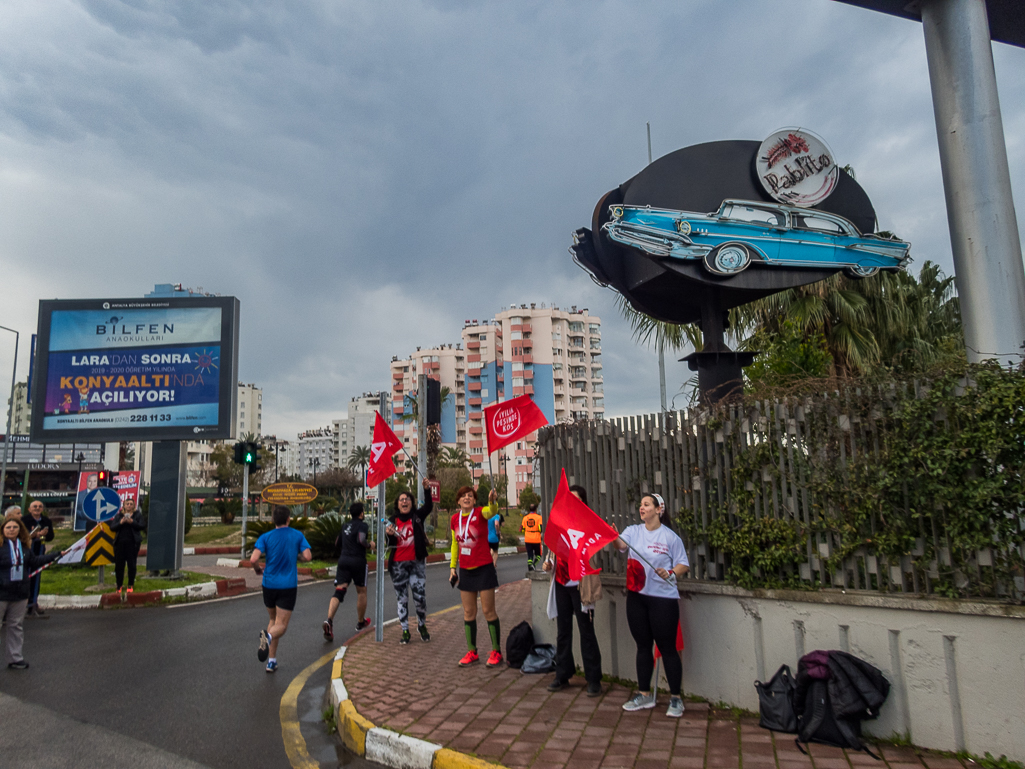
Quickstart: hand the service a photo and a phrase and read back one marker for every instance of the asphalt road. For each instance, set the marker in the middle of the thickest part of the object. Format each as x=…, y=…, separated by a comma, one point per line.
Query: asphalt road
x=181, y=686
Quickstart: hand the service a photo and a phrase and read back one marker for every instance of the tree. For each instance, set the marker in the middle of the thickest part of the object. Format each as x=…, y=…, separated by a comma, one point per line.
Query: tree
x=787, y=357
x=360, y=458
x=452, y=456
x=226, y=472
x=340, y=481
x=527, y=498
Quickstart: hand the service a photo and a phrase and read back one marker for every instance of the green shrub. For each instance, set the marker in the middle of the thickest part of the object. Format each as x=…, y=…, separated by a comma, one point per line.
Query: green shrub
x=322, y=533
x=255, y=528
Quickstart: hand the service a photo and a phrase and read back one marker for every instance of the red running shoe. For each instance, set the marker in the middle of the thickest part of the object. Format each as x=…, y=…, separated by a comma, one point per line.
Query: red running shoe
x=131, y=589
x=469, y=659
x=494, y=659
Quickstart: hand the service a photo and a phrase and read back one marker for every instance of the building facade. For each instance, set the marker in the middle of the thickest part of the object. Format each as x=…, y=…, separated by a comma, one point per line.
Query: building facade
x=21, y=417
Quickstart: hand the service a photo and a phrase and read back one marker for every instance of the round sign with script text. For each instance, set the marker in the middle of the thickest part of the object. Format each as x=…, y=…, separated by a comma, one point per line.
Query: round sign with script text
x=796, y=167
x=289, y=494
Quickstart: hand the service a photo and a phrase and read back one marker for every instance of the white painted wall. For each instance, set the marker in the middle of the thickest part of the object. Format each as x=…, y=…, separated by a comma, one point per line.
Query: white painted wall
x=957, y=668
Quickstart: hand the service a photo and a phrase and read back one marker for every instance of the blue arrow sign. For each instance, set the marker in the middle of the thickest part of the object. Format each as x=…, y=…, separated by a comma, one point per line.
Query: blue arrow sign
x=101, y=504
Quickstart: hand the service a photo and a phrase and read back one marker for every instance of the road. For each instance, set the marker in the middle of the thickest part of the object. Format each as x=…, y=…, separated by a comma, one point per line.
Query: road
x=181, y=686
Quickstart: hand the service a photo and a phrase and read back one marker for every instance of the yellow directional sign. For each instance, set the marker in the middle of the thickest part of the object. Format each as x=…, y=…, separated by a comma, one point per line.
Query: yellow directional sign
x=100, y=550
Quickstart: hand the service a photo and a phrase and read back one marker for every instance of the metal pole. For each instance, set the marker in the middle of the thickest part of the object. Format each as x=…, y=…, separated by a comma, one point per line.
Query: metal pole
x=976, y=180
x=10, y=413
x=421, y=435
x=245, y=505
x=660, y=341
x=381, y=555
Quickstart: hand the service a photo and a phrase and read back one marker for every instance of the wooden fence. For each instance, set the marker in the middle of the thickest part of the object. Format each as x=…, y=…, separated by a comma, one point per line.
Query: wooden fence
x=723, y=471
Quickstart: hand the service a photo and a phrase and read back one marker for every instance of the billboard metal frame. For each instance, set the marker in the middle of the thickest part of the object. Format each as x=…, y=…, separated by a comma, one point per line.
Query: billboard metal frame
x=227, y=372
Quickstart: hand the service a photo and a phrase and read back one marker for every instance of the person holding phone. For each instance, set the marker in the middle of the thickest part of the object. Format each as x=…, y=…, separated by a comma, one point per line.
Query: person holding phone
x=40, y=530
x=127, y=529
x=407, y=559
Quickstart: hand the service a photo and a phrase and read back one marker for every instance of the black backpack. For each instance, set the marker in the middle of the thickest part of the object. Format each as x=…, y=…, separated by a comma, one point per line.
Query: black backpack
x=776, y=702
x=518, y=644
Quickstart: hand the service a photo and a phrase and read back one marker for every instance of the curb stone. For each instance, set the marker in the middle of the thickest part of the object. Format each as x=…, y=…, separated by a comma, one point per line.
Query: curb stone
x=383, y=746
x=222, y=588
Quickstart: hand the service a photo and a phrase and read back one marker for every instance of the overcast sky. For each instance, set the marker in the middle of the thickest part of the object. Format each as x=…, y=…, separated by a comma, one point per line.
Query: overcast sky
x=365, y=176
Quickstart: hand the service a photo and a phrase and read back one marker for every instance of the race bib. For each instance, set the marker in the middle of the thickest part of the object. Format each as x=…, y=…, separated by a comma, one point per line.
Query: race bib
x=465, y=551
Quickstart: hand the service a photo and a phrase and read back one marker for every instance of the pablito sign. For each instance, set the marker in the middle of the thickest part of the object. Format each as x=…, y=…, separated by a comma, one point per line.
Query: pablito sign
x=796, y=167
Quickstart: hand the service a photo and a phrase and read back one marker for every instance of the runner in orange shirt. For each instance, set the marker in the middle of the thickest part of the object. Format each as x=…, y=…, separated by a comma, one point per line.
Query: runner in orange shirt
x=531, y=527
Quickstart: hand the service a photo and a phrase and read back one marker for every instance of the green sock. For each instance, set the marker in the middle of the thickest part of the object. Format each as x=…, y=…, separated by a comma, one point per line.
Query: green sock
x=470, y=628
x=496, y=634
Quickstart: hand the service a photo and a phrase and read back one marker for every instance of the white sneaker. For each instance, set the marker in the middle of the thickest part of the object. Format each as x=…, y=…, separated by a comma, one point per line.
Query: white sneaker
x=675, y=708
x=639, y=702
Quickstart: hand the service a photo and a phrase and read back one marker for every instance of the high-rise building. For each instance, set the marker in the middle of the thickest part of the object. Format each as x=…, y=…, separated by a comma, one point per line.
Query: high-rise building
x=316, y=451
x=249, y=413
x=21, y=418
x=551, y=354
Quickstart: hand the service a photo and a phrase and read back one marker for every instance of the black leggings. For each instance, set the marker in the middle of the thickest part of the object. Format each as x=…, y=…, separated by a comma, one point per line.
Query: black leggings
x=125, y=553
x=654, y=621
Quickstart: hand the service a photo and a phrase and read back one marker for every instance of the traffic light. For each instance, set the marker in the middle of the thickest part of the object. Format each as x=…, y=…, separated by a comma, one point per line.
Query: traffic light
x=249, y=453
x=103, y=478
x=239, y=447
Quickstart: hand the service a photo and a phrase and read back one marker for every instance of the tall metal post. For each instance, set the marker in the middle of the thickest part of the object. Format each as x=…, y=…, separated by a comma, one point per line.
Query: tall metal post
x=10, y=413
x=421, y=435
x=383, y=408
x=245, y=506
x=976, y=180
x=662, y=343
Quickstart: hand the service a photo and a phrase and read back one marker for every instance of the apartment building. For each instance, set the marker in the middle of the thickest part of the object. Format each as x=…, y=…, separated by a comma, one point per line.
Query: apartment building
x=317, y=452
x=551, y=354
x=21, y=417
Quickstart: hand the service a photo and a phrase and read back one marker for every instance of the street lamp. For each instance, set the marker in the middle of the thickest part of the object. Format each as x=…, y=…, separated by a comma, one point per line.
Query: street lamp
x=80, y=459
x=10, y=413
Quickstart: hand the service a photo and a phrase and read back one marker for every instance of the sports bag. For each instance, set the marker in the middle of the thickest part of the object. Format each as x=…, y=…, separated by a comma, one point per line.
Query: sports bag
x=776, y=703
x=540, y=660
x=518, y=644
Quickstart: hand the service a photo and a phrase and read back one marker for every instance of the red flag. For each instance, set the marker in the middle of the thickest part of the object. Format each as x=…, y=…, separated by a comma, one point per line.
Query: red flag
x=679, y=641
x=510, y=420
x=382, y=448
x=575, y=531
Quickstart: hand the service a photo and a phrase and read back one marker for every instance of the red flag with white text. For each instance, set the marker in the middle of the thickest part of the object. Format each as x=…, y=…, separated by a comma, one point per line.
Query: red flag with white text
x=382, y=448
x=575, y=532
x=510, y=420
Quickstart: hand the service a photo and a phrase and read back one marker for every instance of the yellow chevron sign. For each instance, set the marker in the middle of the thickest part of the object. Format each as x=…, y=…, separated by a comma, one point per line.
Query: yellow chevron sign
x=100, y=550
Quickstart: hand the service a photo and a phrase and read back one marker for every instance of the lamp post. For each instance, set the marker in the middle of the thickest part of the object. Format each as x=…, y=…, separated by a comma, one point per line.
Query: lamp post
x=80, y=459
x=10, y=413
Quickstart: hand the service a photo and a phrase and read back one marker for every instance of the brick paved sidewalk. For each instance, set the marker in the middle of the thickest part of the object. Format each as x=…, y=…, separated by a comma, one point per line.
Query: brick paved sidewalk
x=510, y=718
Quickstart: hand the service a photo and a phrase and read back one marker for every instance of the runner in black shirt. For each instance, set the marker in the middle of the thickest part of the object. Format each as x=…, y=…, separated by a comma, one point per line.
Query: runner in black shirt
x=354, y=541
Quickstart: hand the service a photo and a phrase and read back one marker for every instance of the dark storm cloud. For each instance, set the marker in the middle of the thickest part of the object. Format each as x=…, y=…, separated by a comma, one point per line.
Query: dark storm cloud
x=364, y=176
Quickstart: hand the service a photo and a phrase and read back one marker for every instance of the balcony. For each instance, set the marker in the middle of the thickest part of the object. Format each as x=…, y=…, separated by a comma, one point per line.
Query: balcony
x=528, y=389
x=397, y=375
x=475, y=430
x=474, y=387
x=474, y=345
x=473, y=401
x=478, y=445
x=475, y=358
x=528, y=373
x=475, y=415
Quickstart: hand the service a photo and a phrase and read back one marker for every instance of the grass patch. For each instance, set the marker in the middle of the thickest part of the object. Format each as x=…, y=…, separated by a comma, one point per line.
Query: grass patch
x=73, y=580
x=202, y=535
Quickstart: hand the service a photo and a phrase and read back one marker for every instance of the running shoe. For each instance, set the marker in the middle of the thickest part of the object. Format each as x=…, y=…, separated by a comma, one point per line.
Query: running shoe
x=329, y=630
x=469, y=659
x=365, y=622
x=264, y=650
x=405, y=637
x=131, y=589
x=675, y=708
x=640, y=702
x=424, y=635
x=272, y=666
x=494, y=659
x=557, y=685
x=19, y=665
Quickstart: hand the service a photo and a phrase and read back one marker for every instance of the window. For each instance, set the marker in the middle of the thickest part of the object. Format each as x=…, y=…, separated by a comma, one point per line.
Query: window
x=594, y=328
x=516, y=335
x=599, y=403
x=556, y=336
x=753, y=215
x=517, y=366
x=818, y=223
x=482, y=337
x=576, y=327
x=596, y=372
x=517, y=381
x=595, y=344
x=483, y=349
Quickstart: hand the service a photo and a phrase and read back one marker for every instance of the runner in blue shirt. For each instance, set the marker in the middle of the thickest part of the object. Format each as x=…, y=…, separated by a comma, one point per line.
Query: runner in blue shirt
x=284, y=546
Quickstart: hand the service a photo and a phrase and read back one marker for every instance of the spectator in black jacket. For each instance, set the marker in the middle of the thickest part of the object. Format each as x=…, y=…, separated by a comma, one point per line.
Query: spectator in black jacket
x=407, y=559
x=40, y=530
x=127, y=528
x=16, y=562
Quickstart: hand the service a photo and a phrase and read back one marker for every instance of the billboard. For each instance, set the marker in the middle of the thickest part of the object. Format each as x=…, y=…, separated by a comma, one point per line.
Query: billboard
x=136, y=369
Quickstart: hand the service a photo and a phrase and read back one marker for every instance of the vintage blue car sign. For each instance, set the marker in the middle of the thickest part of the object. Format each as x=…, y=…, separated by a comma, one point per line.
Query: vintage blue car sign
x=744, y=232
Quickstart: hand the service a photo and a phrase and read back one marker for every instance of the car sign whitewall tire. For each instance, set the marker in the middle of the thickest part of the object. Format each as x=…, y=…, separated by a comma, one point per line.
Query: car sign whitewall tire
x=728, y=259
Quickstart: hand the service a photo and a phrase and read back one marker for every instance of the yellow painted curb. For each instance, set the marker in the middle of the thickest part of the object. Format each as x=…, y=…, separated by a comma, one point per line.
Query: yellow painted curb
x=451, y=759
x=353, y=728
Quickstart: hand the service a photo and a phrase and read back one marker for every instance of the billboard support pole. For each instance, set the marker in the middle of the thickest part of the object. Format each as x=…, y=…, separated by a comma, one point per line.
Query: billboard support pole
x=10, y=412
x=166, y=526
x=245, y=506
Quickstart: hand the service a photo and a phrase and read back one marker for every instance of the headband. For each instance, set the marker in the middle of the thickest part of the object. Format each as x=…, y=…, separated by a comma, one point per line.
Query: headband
x=658, y=498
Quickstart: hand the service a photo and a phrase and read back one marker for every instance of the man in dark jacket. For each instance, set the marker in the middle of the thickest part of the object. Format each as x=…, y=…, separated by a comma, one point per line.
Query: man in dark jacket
x=40, y=530
x=407, y=559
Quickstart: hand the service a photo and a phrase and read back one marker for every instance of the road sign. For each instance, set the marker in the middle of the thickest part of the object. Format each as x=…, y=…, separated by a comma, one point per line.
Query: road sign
x=100, y=550
x=435, y=490
x=289, y=494
x=101, y=504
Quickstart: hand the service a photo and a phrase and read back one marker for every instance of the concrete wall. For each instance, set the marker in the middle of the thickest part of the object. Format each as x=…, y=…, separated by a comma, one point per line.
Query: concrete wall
x=957, y=668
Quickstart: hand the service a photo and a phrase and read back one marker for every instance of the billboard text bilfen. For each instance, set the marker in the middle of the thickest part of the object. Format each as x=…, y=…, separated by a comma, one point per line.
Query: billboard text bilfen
x=136, y=369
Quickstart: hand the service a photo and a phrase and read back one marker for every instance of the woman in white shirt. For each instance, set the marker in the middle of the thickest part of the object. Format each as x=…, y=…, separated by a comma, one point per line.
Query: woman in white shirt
x=653, y=599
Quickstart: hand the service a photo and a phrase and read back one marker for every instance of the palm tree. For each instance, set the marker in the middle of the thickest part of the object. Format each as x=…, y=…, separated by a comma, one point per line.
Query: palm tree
x=453, y=457
x=360, y=458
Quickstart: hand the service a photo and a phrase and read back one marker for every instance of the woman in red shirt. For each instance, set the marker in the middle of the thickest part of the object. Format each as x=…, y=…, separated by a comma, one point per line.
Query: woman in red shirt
x=476, y=573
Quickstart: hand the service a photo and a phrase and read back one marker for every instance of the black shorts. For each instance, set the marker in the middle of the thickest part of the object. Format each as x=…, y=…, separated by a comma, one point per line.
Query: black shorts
x=475, y=580
x=351, y=571
x=274, y=598
x=493, y=546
